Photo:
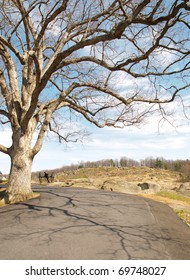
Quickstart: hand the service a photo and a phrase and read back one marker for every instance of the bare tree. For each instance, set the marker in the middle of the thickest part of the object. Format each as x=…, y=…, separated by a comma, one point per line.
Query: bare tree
x=112, y=62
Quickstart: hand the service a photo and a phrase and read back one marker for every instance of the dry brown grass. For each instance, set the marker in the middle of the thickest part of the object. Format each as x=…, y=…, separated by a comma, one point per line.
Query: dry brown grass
x=2, y=201
x=184, y=215
x=132, y=174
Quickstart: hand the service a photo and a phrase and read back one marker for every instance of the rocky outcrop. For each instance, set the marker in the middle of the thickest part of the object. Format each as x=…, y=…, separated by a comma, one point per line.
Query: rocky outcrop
x=149, y=187
x=184, y=189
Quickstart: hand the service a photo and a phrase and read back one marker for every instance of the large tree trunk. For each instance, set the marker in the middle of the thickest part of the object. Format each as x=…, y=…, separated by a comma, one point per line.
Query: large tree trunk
x=19, y=184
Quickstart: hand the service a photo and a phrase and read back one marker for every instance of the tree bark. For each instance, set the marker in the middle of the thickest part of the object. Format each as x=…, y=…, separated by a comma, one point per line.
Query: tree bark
x=19, y=184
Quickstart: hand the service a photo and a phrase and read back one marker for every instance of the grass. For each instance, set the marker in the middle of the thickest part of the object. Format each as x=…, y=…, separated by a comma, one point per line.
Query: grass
x=4, y=182
x=174, y=196
x=184, y=215
x=175, y=201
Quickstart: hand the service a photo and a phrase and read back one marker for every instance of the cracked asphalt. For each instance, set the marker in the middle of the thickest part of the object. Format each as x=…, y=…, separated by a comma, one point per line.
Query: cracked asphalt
x=81, y=224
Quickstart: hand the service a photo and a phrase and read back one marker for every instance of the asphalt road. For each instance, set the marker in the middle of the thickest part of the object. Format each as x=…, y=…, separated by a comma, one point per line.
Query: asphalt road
x=71, y=223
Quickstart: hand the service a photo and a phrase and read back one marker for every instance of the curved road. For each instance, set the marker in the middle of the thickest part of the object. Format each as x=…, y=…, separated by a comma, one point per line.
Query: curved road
x=71, y=223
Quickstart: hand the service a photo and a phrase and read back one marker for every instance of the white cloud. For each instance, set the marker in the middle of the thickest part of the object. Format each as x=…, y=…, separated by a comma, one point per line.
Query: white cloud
x=115, y=143
x=137, y=143
x=162, y=143
x=6, y=139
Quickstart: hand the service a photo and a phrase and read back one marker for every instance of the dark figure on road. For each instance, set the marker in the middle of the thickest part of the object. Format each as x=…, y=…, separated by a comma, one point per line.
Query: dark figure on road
x=46, y=175
x=49, y=178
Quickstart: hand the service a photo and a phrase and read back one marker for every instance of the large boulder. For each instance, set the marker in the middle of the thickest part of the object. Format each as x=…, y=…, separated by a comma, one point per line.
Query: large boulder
x=149, y=187
x=184, y=187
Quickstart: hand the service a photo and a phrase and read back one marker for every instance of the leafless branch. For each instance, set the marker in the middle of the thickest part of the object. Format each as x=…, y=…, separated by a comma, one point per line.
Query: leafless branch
x=72, y=54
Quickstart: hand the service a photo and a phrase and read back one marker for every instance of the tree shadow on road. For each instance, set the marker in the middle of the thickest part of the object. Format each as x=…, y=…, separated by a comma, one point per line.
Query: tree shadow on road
x=107, y=222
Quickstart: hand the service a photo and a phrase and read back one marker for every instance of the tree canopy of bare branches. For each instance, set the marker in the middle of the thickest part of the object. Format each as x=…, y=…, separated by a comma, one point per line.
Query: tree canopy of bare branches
x=113, y=62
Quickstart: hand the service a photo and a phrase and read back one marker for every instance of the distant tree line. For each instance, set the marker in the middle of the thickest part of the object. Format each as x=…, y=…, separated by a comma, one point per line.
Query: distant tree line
x=160, y=162
x=124, y=162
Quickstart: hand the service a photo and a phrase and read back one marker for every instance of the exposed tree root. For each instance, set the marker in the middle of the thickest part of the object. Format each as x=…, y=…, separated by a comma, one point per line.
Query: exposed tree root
x=10, y=198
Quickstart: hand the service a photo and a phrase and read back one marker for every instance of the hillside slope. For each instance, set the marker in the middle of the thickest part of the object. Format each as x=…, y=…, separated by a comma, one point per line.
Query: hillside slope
x=122, y=179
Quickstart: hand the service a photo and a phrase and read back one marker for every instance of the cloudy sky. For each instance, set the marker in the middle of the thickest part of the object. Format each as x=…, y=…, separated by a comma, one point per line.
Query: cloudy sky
x=157, y=138
x=151, y=139
x=154, y=138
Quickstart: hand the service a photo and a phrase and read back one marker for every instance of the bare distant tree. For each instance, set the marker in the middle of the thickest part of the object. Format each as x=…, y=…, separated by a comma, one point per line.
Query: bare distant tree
x=112, y=62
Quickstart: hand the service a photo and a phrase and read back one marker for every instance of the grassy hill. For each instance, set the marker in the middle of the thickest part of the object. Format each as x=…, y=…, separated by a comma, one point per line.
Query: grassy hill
x=121, y=178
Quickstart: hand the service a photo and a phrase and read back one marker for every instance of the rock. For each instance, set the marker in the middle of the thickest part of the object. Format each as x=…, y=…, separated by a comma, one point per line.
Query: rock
x=68, y=184
x=108, y=185
x=130, y=187
x=184, y=187
x=149, y=187
x=154, y=187
x=143, y=186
